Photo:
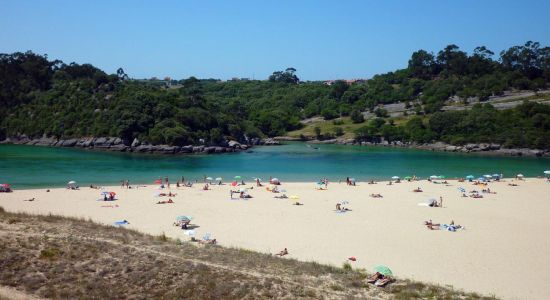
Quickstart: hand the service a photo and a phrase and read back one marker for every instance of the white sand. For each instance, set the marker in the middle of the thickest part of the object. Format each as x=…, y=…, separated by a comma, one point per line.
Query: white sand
x=504, y=251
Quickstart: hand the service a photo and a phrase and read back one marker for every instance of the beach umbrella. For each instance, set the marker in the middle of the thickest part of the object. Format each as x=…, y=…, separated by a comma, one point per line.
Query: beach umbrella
x=275, y=180
x=547, y=172
x=519, y=175
x=496, y=175
x=470, y=177
x=219, y=179
x=294, y=197
x=234, y=183
x=384, y=270
x=407, y=177
x=395, y=177
x=433, y=177
x=158, y=181
x=487, y=176
x=209, y=178
x=237, y=177
x=104, y=193
x=441, y=177
x=184, y=218
x=352, y=179
x=72, y=182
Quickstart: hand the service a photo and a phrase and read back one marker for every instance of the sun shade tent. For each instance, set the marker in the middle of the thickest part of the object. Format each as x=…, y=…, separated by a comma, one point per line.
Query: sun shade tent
x=275, y=181
x=72, y=184
x=395, y=177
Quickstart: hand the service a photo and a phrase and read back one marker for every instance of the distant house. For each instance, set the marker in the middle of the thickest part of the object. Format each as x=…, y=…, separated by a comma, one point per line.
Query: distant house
x=348, y=81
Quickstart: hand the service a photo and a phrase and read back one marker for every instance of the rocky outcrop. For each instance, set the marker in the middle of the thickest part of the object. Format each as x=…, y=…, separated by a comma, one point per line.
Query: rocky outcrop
x=135, y=145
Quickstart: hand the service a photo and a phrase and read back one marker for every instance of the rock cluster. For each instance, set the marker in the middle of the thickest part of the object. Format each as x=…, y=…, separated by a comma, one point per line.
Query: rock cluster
x=120, y=145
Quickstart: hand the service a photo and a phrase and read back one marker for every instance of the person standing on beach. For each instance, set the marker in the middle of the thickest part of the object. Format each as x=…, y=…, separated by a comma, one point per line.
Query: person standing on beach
x=440, y=201
x=166, y=182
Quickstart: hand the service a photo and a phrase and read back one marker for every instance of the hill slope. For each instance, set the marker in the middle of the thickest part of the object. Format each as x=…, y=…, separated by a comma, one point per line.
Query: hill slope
x=62, y=258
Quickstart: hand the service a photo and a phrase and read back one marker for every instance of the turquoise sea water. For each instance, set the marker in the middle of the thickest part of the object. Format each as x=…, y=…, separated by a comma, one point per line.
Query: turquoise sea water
x=36, y=167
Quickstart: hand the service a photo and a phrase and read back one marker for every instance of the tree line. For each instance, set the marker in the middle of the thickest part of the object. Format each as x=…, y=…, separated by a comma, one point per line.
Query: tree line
x=40, y=96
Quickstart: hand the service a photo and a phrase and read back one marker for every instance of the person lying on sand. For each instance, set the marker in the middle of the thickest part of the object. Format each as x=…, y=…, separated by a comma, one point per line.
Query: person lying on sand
x=379, y=280
x=418, y=190
x=512, y=184
x=476, y=196
x=244, y=195
x=282, y=253
x=283, y=196
x=376, y=195
x=297, y=203
x=166, y=202
x=113, y=206
x=208, y=242
x=390, y=183
x=31, y=199
x=371, y=182
x=374, y=277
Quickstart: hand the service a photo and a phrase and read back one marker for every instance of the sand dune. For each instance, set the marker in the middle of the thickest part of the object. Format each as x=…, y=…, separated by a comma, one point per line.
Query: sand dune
x=503, y=251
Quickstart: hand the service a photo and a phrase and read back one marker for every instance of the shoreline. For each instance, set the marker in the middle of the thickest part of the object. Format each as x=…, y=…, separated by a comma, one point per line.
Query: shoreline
x=476, y=148
x=376, y=231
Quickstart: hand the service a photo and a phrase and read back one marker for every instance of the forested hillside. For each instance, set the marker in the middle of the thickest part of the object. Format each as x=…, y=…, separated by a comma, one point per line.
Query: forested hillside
x=48, y=97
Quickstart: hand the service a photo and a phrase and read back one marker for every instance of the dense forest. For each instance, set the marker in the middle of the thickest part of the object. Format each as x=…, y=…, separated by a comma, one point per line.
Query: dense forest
x=48, y=97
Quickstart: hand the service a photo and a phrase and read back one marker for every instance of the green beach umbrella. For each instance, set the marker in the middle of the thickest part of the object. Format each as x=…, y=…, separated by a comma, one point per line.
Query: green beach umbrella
x=407, y=177
x=470, y=177
x=441, y=177
x=237, y=177
x=383, y=270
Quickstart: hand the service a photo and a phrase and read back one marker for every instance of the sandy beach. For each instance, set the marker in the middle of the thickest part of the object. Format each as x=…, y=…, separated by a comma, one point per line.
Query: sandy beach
x=503, y=251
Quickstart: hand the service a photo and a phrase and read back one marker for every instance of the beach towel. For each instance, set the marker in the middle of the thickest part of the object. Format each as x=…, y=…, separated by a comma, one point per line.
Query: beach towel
x=120, y=223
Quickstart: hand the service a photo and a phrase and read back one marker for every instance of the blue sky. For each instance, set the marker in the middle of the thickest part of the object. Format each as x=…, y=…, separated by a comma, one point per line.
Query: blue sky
x=224, y=39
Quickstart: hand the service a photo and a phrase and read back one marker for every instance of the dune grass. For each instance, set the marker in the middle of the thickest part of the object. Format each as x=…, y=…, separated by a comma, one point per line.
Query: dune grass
x=58, y=257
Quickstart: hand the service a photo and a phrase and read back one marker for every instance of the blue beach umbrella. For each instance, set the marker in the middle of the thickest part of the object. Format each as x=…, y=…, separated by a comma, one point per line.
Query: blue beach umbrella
x=470, y=177
x=184, y=218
